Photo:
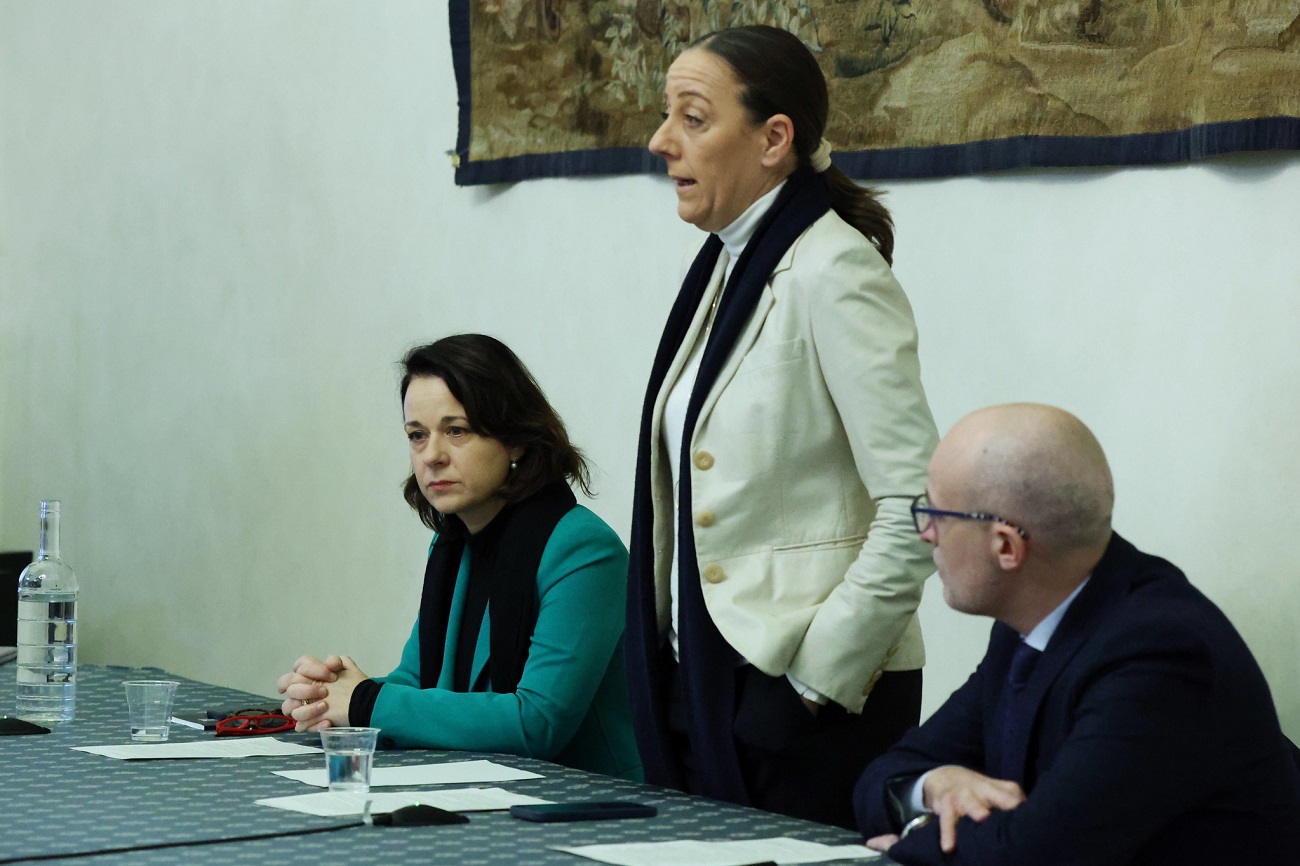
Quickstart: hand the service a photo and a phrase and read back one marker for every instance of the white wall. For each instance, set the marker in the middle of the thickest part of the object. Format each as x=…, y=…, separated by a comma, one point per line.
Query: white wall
x=222, y=223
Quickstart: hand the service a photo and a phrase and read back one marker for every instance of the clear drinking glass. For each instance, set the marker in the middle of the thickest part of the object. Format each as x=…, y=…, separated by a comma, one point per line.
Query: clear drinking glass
x=149, y=704
x=349, y=756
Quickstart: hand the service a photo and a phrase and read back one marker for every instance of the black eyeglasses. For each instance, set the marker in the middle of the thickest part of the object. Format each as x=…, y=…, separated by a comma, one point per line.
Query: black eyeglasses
x=923, y=515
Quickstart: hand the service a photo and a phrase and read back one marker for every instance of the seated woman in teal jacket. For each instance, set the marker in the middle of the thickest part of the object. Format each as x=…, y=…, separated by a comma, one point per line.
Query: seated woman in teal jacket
x=518, y=645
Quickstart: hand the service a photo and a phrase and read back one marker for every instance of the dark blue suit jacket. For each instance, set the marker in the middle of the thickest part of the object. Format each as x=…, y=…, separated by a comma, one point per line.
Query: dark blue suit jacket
x=1153, y=739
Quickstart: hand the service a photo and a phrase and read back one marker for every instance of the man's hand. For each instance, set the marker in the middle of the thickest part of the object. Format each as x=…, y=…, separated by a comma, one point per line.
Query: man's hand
x=954, y=792
x=882, y=843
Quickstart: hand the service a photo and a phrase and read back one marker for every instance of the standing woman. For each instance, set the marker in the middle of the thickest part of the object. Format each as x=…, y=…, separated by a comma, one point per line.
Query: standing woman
x=517, y=647
x=773, y=646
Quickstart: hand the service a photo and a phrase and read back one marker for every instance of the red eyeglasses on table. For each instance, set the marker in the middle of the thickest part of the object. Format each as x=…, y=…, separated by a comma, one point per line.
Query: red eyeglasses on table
x=254, y=722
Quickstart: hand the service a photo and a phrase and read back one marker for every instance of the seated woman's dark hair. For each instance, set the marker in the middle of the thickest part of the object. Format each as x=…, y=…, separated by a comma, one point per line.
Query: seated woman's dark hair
x=502, y=401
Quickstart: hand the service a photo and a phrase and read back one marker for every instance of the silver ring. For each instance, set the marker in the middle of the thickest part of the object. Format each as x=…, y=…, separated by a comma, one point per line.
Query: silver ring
x=305, y=702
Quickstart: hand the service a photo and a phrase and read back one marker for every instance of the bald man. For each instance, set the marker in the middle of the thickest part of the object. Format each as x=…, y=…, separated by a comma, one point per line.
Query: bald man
x=1117, y=717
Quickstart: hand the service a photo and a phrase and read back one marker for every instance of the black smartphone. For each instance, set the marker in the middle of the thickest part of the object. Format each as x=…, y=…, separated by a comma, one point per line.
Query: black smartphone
x=197, y=721
x=18, y=726
x=597, y=811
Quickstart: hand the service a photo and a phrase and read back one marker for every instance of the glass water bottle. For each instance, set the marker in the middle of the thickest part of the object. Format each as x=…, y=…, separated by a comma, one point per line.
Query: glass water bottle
x=47, y=630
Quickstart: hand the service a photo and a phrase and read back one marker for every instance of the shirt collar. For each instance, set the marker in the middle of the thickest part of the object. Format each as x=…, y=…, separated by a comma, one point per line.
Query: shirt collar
x=1043, y=632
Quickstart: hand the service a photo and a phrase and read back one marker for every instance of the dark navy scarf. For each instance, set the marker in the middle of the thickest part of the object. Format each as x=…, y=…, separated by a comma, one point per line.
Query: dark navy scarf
x=518, y=535
x=511, y=586
x=707, y=661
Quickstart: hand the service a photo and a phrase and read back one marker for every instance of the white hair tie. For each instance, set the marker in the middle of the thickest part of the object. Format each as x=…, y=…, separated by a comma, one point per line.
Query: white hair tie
x=820, y=160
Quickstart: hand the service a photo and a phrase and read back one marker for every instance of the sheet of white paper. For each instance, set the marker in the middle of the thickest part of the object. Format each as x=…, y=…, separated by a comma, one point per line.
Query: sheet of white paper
x=456, y=773
x=339, y=805
x=691, y=853
x=234, y=747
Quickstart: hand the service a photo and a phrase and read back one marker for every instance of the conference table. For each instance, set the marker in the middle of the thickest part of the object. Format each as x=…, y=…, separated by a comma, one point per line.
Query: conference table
x=60, y=801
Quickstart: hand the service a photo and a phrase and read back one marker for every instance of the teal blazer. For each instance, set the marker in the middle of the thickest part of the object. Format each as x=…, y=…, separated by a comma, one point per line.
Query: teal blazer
x=571, y=705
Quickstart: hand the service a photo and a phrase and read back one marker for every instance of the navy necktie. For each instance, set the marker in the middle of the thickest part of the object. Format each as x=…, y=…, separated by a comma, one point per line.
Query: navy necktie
x=1014, y=727
x=1023, y=661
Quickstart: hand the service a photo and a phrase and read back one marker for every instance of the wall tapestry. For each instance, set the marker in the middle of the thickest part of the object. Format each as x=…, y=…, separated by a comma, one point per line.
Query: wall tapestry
x=919, y=88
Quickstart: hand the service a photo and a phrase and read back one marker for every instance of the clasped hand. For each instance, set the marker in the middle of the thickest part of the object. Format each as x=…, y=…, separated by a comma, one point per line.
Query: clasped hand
x=318, y=693
x=952, y=793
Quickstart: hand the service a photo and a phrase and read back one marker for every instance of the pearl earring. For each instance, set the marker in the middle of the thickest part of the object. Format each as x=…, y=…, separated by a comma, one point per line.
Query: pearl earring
x=513, y=466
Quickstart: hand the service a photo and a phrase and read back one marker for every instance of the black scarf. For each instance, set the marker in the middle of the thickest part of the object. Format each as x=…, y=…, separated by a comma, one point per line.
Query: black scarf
x=513, y=602
x=707, y=660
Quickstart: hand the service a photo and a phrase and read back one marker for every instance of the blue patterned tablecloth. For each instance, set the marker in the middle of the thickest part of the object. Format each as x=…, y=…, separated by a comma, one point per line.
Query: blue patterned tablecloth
x=58, y=800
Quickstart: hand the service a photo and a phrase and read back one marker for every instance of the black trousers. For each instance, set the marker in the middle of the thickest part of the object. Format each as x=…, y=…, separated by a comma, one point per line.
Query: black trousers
x=797, y=763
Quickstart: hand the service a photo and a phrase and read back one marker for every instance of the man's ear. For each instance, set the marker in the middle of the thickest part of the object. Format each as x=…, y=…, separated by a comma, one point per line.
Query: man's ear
x=1008, y=547
x=778, y=135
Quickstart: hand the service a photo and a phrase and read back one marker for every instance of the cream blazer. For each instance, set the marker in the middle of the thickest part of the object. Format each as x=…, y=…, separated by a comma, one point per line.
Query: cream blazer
x=805, y=457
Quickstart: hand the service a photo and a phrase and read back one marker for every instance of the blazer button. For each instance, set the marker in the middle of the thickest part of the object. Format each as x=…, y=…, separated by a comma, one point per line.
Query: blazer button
x=704, y=518
x=703, y=460
x=713, y=573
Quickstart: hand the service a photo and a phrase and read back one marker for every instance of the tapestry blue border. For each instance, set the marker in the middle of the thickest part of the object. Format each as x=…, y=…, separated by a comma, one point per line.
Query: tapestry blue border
x=1041, y=151
x=1027, y=151
x=458, y=14
x=569, y=163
